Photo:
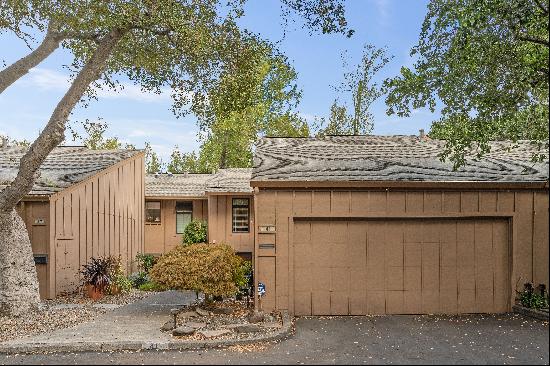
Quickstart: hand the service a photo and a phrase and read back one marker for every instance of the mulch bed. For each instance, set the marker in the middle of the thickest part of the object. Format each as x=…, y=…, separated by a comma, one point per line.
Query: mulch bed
x=239, y=315
x=52, y=315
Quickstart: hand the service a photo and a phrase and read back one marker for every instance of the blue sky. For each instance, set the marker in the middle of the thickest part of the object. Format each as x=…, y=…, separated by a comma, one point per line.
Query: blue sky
x=136, y=117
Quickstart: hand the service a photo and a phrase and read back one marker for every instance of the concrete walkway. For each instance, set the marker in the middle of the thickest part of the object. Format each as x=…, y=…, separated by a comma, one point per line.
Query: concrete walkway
x=138, y=322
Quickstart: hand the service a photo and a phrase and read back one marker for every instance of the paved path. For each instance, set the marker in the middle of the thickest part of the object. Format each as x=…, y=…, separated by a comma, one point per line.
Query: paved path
x=139, y=322
x=500, y=339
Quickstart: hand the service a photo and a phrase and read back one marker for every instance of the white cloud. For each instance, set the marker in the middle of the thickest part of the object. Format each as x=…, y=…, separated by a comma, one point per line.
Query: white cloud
x=51, y=80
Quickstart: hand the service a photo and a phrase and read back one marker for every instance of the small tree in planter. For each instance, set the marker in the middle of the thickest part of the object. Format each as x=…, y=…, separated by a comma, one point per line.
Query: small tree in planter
x=195, y=232
x=212, y=269
x=96, y=276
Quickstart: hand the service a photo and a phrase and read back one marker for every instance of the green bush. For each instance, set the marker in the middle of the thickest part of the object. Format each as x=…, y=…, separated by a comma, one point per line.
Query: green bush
x=138, y=278
x=145, y=261
x=151, y=286
x=533, y=298
x=243, y=274
x=212, y=269
x=195, y=232
x=119, y=282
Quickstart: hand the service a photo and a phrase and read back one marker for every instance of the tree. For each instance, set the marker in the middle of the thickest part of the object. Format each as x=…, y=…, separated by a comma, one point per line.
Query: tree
x=364, y=91
x=182, y=162
x=254, y=96
x=153, y=164
x=95, y=139
x=153, y=43
x=487, y=63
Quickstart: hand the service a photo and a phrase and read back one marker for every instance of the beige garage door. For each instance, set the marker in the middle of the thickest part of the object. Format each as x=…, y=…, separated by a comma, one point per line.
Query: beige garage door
x=401, y=267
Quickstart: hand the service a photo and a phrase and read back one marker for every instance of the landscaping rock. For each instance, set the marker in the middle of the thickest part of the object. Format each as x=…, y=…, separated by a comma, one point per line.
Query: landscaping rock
x=183, y=330
x=194, y=325
x=213, y=333
x=272, y=325
x=223, y=311
x=247, y=328
x=189, y=314
x=175, y=311
x=168, y=326
x=255, y=317
x=202, y=312
x=107, y=306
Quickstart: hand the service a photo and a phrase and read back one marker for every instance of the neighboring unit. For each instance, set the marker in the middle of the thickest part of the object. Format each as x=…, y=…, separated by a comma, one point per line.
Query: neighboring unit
x=86, y=203
x=223, y=199
x=379, y=225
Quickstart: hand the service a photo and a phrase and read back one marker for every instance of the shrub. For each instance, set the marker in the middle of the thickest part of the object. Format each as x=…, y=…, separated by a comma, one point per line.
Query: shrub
x=145, y=261
x=119, y=282
x=138, y=278
x=195, y=232
x=151, y=286
x=532, y=299
x=212, y=269
x=97, y=272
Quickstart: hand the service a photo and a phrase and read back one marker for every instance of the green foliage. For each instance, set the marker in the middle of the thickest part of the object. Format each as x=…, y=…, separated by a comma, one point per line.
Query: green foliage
x=533, y=300
x=242, y=277
x=153, y=164
x=487, y=63
x=151, y=286
x=138, y=278
x=145, y=261
x=358, y=84
x=94, y=137
x=119, y=281
x=20, y=143
x=195, y=232
x=182, y=162
x=212, y=269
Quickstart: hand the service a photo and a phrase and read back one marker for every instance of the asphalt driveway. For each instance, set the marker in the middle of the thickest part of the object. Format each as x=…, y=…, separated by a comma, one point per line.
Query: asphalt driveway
x=475, y=339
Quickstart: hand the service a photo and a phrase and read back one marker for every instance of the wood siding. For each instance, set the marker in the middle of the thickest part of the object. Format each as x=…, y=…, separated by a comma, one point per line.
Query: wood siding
x=161, y=238
x=526, y=211
x=220, y=225
x=100, y=216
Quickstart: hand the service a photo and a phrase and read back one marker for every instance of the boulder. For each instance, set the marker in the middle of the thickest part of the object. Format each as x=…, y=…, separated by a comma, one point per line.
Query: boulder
x=189, y=314
x=247, y=328
x=255, y=317
x=271, y=325
x=175, y=311
x=202, y=312
x=194, y=325
x=224, y=311
x=183, y=330
x=168, y=326
x=213, y=333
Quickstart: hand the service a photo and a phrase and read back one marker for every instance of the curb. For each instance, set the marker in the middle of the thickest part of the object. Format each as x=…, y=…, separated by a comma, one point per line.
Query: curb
x=64, y=347
x=533, y=313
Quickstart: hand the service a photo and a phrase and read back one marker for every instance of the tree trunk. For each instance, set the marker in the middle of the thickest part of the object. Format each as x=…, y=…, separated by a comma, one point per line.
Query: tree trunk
x=48, y=139
x=21, y=67
x=18, y=281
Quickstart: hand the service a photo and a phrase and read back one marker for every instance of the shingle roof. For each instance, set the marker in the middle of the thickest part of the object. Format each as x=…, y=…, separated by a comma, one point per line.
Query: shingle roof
x=64, y=166
x=387, y=158
x=235, y=180
x=176, y=185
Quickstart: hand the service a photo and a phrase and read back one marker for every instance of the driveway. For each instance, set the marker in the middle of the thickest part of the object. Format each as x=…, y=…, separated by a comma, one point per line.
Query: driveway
x=475, y=339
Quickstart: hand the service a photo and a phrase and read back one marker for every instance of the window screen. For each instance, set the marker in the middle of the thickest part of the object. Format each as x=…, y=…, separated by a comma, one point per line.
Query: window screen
x=184, y=215
x=241, y=215
x=152, y=212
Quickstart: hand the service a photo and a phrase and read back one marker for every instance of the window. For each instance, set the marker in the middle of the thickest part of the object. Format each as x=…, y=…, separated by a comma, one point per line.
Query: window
x=184, y=215
x=241, y=215
x=152, y=212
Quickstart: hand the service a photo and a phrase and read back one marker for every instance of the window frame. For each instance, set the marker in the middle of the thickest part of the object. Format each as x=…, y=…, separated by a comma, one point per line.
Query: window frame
x=233, y=206
x=159, y=222
x=183, y=212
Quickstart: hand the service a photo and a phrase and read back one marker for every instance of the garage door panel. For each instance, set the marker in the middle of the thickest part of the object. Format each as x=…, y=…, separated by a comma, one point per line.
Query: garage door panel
x=412, y=278
x=394, y=278
x=320, y=302
x=394, y=254
x=412, y=302
x=302, y=303
x=448, y=254
x=402, y=267
x=413, y=254
x=430, y=301
x=376, y=302
x=394, y=302
x=302, y=234
x=339, y=304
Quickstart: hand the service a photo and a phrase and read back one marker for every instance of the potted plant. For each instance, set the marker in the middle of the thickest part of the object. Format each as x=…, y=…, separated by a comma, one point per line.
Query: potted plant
x=96, y=276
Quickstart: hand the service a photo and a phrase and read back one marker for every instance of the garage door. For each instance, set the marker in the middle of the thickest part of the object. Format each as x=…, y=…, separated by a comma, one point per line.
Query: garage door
x=401, y=267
